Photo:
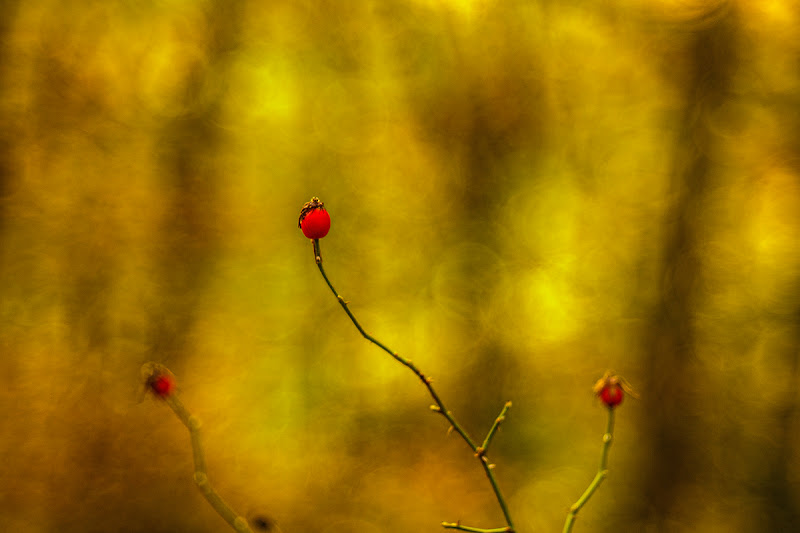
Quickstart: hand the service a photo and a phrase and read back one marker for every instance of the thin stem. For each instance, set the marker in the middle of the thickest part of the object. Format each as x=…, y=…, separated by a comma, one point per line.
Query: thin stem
x=489, y=436
x=192, y=423
x=602, y=472
x=488, y=470
x=449, y=525
x=439, y=406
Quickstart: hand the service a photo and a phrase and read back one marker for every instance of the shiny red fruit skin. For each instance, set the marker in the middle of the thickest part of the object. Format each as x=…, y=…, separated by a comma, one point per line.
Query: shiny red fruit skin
x=611, y=395
x=315, y=225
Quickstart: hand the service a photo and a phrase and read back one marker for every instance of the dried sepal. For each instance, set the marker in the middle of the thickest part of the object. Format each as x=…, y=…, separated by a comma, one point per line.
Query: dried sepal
x=611, y=389
x=314, y=219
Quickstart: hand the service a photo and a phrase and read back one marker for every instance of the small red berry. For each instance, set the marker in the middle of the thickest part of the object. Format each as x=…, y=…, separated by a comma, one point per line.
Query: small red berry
x=158, y=379
x=314, y=219
x=611, y=395
x=611, y=389
x=162, y=385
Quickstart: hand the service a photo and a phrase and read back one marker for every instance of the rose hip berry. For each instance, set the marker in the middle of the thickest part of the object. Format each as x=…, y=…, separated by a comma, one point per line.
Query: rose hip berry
x=611, y=389
x=163, y=385
x=159, y=379
x=611, y=395
x=314, y=219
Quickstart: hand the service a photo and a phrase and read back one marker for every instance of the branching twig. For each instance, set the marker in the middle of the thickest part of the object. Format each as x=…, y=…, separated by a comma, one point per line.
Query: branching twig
x=479, y=451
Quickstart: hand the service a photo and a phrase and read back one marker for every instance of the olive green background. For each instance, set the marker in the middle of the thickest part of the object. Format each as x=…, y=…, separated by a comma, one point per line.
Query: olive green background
x=523, y=195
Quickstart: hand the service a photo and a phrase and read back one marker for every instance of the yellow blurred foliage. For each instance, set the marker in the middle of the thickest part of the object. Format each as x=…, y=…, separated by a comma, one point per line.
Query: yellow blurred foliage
x=522, y=194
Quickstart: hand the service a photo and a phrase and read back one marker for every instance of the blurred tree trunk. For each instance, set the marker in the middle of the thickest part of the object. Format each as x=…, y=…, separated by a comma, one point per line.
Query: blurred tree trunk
x=189, y=148
x=674, y=442
x=782, y=497
x=8, y=135
x=481, y=130
x=9, y=139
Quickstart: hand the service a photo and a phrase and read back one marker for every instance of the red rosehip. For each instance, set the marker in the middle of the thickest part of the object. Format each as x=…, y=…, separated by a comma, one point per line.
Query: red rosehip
x=158, y=379
x=316, y=224
x=611, y=389
x=314, y=219
x=611, y=395
x=162, y=385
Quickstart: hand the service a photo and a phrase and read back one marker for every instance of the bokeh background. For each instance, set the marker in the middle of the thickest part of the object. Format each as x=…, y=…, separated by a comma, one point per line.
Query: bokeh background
x=523, y=193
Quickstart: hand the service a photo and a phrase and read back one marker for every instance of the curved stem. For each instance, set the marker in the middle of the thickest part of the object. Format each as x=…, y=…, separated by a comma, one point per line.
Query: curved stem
x=192, y=423
x=439, y=406
x=602, y=472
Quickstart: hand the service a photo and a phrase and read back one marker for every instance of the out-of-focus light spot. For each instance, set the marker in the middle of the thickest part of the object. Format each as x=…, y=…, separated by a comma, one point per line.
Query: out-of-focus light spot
x=465, y=8
x=164, y=72
x=549, y=304
x=264, y=91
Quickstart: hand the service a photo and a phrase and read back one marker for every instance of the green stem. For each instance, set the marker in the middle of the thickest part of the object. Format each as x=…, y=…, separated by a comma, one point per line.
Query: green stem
x=602, y=472
x=439, y=407
x=489, y=436
x=448, y=525
x=192, y=423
